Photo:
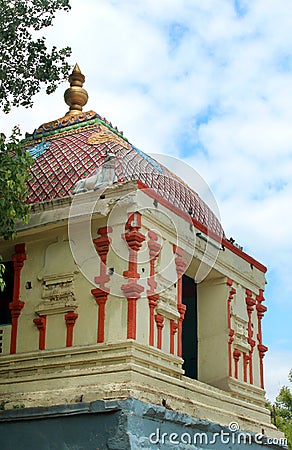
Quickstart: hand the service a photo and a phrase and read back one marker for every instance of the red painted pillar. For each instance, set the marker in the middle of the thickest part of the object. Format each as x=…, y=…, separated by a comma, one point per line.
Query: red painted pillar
x=154, y=249
x=236, y=356
x=100, y=294
x=132, y=289
x=261, y=309
x=152, y=301
x=262, y=350
x=232, y=292
x=16, y=305
x=102, y=244
x=181, y=264
x=250, y=303
x=159, y=319
x=100, y=298
x=230, y=342
x=15, y=309
x=173, y=330
x=41, y=323
x=70, y=319
x=246, y=359
x=182, y=310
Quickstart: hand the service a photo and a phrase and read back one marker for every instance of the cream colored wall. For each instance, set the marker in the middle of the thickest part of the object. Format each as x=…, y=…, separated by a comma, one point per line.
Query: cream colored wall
x=56, y=331
x=116, y=319
x=213, y=292
x=85, y=329
x=212, y=331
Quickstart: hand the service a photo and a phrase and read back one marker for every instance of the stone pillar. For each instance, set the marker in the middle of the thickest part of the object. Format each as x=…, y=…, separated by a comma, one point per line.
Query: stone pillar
x=70, y=319
x=154, y=249
x=180, y=264
x=41, y=323
x=100, y=294
x=250, y=303
x=132, y=289
x=262, y=349
x=159, y=319
x=16, y=305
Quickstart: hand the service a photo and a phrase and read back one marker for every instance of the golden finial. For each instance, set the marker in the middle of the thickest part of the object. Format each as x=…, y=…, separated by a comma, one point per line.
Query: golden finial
x=75, y=96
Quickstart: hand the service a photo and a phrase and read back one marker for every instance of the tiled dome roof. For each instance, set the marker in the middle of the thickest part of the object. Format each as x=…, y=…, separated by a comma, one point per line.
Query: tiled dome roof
x=71, y=149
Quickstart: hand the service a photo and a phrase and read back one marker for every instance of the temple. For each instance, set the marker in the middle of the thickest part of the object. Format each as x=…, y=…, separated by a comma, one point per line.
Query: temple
x=124, y=298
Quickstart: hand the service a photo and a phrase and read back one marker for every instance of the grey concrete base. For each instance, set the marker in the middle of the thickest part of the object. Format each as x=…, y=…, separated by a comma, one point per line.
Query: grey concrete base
x=118, y=425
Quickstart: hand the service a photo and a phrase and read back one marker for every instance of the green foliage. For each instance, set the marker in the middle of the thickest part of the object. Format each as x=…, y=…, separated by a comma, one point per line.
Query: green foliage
x=14, y=171
x=283, y=407
x=281, y=412
x=25, y=61
x=25, y=64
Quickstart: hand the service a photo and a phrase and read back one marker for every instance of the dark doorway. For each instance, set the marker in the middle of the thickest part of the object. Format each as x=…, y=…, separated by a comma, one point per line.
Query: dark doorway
x=7, y=294
x=190, y=328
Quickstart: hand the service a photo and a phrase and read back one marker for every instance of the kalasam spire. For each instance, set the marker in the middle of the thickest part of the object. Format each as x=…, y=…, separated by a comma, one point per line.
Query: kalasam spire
x=75, y=96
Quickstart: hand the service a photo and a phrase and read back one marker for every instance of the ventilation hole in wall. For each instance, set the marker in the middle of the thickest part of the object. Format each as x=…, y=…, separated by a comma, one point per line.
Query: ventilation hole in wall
x=143, y=270
x=28, y=285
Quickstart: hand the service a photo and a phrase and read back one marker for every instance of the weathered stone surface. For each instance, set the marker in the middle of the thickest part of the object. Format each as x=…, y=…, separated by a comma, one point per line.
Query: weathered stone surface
x=118, y=425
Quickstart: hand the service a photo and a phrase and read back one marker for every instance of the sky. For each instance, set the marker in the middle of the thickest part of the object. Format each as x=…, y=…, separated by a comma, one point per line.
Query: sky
x=208, y=82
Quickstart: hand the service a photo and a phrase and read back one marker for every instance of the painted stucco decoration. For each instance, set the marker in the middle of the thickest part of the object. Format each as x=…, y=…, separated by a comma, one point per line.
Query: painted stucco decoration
x=39, y=149
x=102, y=177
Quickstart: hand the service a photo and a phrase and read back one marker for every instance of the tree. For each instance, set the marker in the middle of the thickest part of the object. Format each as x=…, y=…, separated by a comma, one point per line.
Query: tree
x=14, y=171
x=25, y=61
x=281, y=412
x=14, y=167
x=25, y=64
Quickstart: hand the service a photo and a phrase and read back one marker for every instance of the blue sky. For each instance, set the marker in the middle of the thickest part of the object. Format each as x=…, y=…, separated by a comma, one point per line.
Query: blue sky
x=209, y=82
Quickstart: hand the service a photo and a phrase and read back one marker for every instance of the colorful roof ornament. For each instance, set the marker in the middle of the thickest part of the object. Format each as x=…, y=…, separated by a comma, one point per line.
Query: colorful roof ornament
x=71, y=149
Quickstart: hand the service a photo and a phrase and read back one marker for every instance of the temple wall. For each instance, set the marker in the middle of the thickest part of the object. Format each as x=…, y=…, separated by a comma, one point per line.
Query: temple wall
x=90, y=314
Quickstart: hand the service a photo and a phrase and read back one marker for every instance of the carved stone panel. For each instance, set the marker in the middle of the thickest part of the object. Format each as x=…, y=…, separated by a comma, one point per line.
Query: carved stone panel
x=167, y=304
x=58, y=294
x=240, y=333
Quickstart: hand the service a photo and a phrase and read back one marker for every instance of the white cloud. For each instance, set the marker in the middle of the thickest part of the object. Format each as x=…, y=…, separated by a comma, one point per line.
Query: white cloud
x=277, y=367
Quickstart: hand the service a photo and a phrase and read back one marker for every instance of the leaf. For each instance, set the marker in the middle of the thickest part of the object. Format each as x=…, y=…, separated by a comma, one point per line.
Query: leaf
x=25, y=61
